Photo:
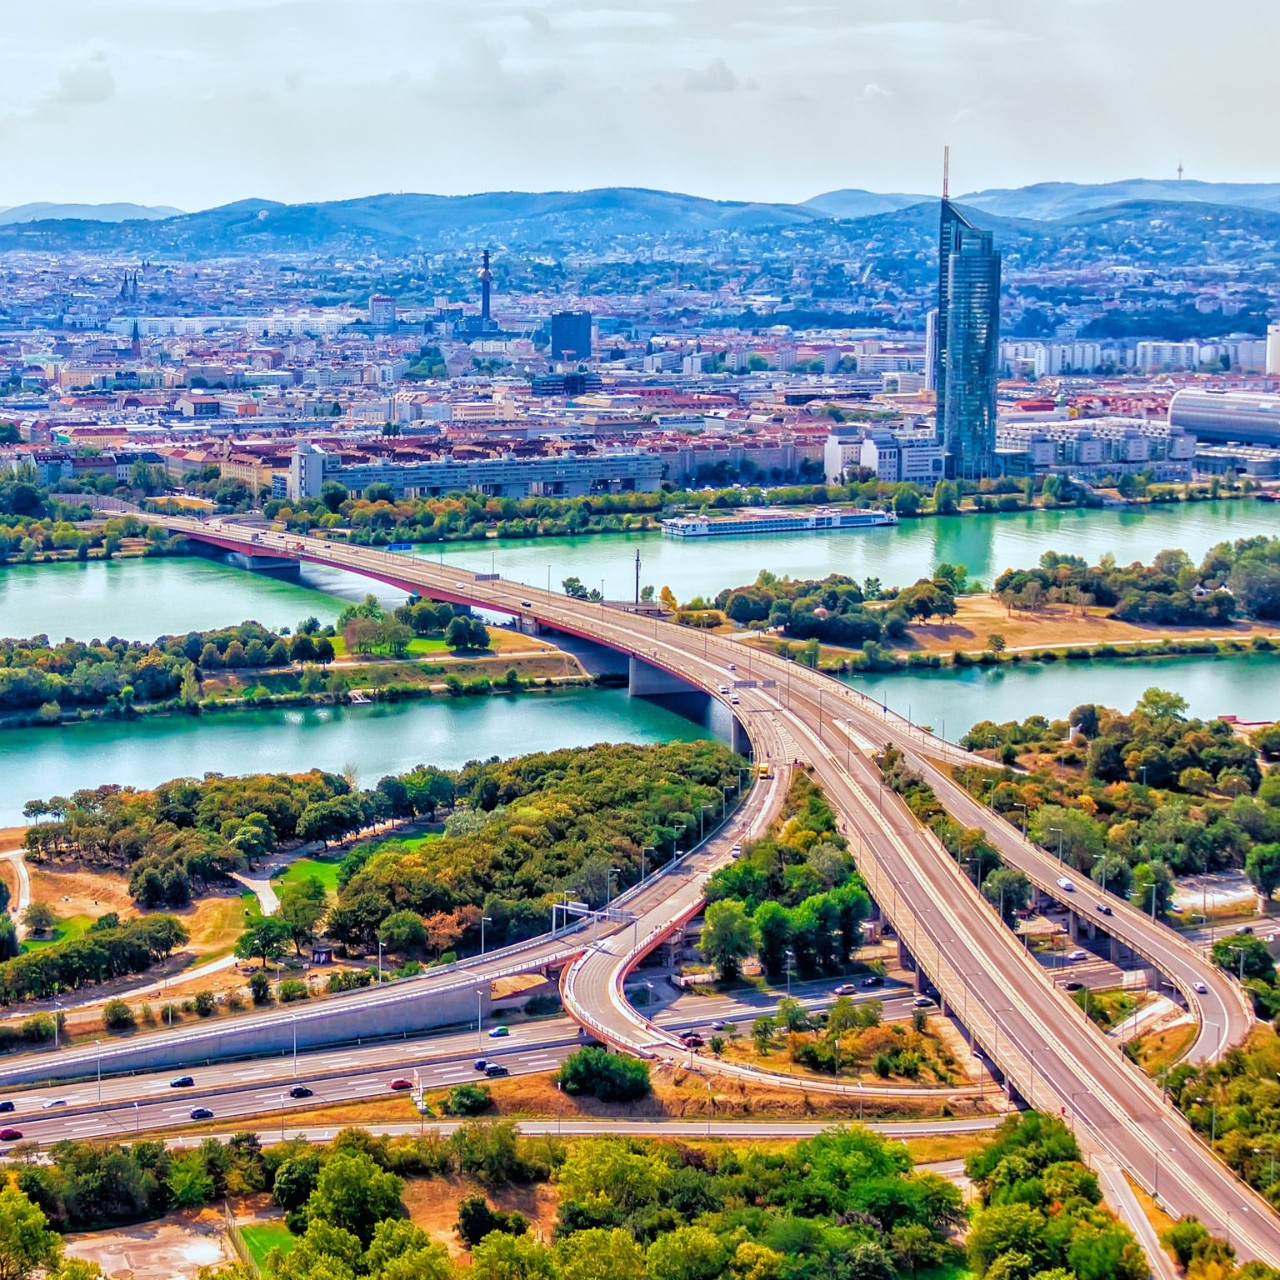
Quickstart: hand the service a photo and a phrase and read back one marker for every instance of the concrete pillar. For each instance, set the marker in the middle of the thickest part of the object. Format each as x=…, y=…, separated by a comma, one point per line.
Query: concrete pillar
x=1117, y=949
x=1073, y=926
x=905, y=960
x=647, y=681
x=738, y=739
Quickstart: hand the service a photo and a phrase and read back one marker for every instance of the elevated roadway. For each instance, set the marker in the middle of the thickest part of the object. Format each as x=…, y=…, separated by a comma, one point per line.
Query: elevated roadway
x=1046, y=1048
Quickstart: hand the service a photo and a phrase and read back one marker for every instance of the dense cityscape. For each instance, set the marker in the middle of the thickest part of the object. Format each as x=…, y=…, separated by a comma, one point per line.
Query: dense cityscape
x=617, y=735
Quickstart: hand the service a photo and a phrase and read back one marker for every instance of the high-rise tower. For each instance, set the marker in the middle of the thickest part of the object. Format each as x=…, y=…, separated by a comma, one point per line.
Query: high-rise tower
x=486, y=285
x=967, y=351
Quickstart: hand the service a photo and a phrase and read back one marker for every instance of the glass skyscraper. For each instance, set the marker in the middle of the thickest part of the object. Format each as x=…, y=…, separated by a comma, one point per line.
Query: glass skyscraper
x=967, y=350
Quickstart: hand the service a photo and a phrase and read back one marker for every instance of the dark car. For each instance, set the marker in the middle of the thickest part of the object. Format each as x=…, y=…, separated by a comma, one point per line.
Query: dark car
x=201, y=1113
x=10, y=1135
x=692, y=1040
x=1073, y=985
x=875, y=980
x=6, y=1105
x=496, y=1069
x=481, y=1064
x=300, y=1091
x=182, y=1082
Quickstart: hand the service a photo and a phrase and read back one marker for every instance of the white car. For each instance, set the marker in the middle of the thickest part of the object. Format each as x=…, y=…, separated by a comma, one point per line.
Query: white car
x=1202, y=989
x=1065, y=885
x=736, y=851
x=1077, y=955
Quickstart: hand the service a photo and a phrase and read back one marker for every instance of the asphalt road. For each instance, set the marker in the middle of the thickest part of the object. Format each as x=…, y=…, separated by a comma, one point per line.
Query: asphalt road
x=1056, y=1058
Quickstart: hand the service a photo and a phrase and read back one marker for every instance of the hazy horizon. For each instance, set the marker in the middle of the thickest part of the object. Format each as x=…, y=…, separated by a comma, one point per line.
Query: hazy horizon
x=197, y=103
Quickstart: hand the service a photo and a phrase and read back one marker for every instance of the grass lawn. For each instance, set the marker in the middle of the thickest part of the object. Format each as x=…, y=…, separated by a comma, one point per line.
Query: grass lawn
x=63, y=931
x=324, y=869
x=416, y=842
x=262, y=1237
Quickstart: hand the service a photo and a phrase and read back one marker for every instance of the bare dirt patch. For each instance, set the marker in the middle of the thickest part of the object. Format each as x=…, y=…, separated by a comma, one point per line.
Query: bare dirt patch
x=433, y=1204
x=175, y=1248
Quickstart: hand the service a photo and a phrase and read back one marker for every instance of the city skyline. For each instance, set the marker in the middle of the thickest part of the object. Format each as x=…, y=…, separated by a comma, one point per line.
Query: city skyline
x=209, y=101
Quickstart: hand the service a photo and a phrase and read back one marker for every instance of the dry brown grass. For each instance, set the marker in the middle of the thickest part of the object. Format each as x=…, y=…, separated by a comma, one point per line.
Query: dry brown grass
x=1056, y=626
x=1158, y=1050
x=1160, y=1220
x=935, y=1147
x=433, y=1204
x=11, y=837
x=79, y=891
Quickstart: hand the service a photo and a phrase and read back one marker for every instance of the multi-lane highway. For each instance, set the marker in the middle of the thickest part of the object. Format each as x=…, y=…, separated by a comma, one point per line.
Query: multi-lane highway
x=1054, y=1057
x=119, y=1106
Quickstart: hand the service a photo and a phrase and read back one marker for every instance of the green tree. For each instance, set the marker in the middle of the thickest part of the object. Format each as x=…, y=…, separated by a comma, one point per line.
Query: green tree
x=266, y=939
x=189, y=1182
x=1151, y=879
x=39, y=917
x=1007, y=889
x=403, y=931
x=599, y=1254
x=913, y=1247
x=1245, y=955
x=303, y=904
x=502, y=1257
x=1262, y=866
x=1161, y=704
x=26, y=1243
x=354, y=1194
x=728, y=937
x=687, y=1253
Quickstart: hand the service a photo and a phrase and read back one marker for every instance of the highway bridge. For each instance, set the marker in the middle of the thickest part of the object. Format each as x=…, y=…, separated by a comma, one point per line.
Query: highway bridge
x=1041, y=1042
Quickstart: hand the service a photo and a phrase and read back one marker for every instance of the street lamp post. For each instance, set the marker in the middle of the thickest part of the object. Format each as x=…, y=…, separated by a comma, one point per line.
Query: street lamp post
x=479, y=1019
x=1059, y=831
x=97, y=1048
x=293, y=1019
x=379, y=961
x=484, y=920
x=137, y=1119
x=790, y=956
x=1023, y=807
x=648, y=848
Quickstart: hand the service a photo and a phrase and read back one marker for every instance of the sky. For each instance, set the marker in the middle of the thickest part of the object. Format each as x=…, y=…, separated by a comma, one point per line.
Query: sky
x=194, y=103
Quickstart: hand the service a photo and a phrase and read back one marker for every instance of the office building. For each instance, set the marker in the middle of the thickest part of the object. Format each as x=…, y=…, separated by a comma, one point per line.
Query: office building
x=382, y=312
x=1273, y=348
x=895, y=457
x=571, y=336
x=568, y=475
x=968, y=346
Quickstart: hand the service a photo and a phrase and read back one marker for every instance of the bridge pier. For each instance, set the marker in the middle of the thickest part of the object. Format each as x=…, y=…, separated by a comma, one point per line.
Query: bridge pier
x=1073, y=926
x=277, y=566
x=644, y=680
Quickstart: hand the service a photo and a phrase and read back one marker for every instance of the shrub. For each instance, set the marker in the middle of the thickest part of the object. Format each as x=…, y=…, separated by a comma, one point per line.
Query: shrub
x=292, y=989
x=467, y=1100
x=260, y=987
x=611, y=1077
x=117, y=1016
x=203, y=1003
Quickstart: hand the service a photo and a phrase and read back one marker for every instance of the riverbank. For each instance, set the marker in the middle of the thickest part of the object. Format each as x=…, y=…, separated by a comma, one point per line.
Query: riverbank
x=348, y=681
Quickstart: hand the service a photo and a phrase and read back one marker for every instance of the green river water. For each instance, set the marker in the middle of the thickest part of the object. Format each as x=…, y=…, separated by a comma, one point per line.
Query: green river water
x=145, y=598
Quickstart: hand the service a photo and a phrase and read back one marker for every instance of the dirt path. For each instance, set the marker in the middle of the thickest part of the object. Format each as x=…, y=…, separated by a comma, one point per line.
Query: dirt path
x=16, y=859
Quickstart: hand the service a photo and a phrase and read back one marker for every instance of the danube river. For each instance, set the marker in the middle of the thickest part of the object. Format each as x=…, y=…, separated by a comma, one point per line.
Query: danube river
x=140, y=599
x=375, y=739
x=144, y=598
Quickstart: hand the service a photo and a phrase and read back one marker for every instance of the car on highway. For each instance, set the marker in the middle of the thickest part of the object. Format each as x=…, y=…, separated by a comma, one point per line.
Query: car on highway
x=498, y=1032
x=6, y=1105
x=526, y=604
x=400, y=1083
x=182, y=1082
x=1064, y=883
x=201, y=1113
x=53, y=1102
x=724, y=688
x=482, y=1064
x=717, y=1025
x=10, y=1135
x=921, y=1002
x=873, y=980
x=1201, y=989
x=733, y=666
x=300, y=1091
x=1102, y=908
x=736, y=851
x=844, y=989
x=1074, y=985
x=496, y=1069
x=1077, y=955
x=692, y=1040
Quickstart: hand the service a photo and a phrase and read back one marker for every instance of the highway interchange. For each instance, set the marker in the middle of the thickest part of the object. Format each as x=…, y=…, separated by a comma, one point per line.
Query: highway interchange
x=1049, y=1052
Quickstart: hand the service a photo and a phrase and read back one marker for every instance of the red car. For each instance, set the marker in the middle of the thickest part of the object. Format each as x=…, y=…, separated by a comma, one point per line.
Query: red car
x=401, y=1083
x=10, y=1135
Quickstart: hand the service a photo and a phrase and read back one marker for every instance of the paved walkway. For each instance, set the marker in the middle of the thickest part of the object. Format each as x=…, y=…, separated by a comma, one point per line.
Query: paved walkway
x=19, y=905
x=1120, y=1196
